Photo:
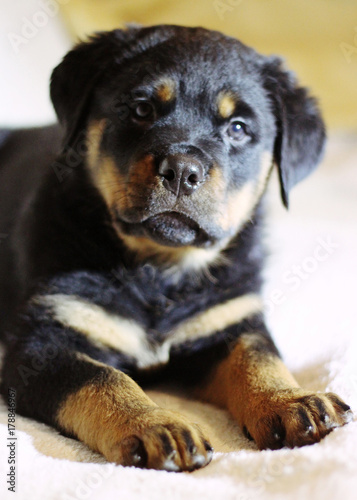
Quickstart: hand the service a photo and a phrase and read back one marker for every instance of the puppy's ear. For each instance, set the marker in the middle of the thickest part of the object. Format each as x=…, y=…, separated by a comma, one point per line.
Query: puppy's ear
x=301, y=132
x=73, y=80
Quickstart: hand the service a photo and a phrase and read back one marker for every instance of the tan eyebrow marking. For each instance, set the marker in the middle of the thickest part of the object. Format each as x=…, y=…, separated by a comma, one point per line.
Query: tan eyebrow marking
x=166, y=89
x=226, y=102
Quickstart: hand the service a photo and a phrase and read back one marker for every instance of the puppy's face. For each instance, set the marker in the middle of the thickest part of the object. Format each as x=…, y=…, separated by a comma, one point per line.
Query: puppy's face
x=182, y=131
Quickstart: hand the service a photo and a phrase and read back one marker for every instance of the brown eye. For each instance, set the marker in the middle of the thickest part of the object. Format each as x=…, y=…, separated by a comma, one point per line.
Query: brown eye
x=143, y=110
x=237, y=130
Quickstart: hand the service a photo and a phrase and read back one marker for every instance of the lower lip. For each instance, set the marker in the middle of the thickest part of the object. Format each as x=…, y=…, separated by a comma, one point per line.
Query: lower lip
x=172, y=229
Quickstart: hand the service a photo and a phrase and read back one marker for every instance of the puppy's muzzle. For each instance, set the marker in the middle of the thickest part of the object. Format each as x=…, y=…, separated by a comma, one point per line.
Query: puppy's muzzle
x=181, y=174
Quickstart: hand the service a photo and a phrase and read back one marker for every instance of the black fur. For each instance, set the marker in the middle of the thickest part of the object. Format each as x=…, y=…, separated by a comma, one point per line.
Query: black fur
x=59, y=232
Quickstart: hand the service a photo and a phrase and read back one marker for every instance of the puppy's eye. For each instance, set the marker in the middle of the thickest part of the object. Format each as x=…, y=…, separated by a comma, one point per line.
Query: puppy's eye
x=143, y=110
x=237, y=130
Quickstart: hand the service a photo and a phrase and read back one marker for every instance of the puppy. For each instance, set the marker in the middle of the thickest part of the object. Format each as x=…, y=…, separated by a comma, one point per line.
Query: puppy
x=131, y=245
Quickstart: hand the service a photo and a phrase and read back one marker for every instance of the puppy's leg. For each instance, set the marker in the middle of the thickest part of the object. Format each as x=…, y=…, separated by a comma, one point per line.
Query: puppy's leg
x=114, y=416
x=255, y=386
x=94, y=402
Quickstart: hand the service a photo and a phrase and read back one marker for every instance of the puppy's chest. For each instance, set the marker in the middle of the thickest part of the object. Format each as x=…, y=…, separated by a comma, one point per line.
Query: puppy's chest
x=148, y=319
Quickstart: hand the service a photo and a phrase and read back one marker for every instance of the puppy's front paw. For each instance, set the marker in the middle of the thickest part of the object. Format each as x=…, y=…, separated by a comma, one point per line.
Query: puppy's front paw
x=164, y=440
x=296, y=418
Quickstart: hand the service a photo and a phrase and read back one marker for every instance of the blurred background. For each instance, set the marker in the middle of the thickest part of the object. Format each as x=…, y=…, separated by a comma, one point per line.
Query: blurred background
x=318, y=39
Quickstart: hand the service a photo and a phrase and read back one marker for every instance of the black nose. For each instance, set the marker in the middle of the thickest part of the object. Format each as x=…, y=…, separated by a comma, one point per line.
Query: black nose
x=181, y=174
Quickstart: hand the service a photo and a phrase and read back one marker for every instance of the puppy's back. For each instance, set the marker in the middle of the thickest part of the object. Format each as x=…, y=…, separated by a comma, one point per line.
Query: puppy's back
x=25, y=157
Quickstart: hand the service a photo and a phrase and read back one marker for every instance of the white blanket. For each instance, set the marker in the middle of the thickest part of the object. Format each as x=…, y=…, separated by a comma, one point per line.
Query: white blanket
x=310, y=296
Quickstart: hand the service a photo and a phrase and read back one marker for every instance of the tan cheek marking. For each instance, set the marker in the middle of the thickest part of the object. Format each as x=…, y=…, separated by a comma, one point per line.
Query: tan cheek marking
x=93, y=139
x=166, y=90
x=226, y=103
x=142, y=176
x=240, y=205
x=217, y=318
x=104, y=173
x=111, y=184
x=237, y=209
x=215, y=186
x=117, y=191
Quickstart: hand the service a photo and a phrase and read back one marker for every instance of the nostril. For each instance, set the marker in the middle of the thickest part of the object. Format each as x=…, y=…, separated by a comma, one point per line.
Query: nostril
x=166, y=171
x=193, y=179
x=169, y=175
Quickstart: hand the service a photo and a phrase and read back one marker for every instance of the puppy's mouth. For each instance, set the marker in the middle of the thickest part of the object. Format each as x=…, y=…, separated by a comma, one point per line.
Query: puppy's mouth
x=170, y=229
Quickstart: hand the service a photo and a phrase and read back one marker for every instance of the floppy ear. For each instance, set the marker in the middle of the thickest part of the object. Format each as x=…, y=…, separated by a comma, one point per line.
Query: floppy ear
x=301, y=132
x=73, y=80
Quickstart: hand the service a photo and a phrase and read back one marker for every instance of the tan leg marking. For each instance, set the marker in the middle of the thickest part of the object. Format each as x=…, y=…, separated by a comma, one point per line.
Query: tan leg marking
x=114, y=416
x=260, y=392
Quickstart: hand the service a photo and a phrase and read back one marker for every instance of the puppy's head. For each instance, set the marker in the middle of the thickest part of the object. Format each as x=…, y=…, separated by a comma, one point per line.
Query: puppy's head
x=183, y=126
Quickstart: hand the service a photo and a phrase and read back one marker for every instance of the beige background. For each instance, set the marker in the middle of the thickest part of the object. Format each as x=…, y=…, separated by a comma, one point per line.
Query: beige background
x=318, y=38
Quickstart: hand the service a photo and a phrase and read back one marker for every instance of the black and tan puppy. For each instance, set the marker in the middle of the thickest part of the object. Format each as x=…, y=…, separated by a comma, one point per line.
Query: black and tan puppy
x=131, y=245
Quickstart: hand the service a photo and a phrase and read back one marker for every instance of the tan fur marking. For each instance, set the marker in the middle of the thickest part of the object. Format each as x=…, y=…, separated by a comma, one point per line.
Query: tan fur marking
x=102, y=413
x=166, y=90
x=240, y=205
x=128, y=337
x=112, y=415
x=253, y=373
x=261, y=393
x=142, y=173
x=93, y=140
x=215, y=186
x=111, y=184
x=226, y=103
x=177, y=260
x=238, y=208
x=105, y=174
x=110, y=330
x=217, y=318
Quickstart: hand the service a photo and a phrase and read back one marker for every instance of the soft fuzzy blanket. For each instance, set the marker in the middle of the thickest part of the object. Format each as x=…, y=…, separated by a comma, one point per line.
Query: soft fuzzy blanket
x=310, y=298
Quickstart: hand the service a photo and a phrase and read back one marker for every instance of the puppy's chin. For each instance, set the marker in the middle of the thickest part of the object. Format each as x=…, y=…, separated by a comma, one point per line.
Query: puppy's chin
x=170, y=229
